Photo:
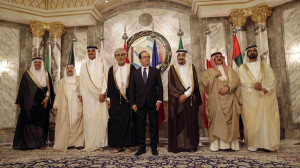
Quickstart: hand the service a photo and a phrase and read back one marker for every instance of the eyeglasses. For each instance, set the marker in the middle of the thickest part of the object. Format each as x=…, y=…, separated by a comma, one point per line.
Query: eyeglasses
x=118, y=55
x=146, y=57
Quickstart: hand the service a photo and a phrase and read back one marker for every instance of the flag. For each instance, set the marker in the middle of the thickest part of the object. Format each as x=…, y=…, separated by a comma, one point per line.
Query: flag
x=71, y=60
x=125, y=47
x=237, y=59
x=180, y=46
x=48, y=60
x=207, y=65
x=161, y=111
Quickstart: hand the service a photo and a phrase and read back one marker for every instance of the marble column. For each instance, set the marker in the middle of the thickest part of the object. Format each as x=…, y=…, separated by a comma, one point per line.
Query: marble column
x=260, y=13
x=38, y=32
x=56, y=29
x=239, y=18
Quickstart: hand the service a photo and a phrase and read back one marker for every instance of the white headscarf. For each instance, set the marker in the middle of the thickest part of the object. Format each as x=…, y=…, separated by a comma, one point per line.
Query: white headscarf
x=96, y=71
x=184, y=71
x=246, y=58
x=39, y=75
x=70, y=79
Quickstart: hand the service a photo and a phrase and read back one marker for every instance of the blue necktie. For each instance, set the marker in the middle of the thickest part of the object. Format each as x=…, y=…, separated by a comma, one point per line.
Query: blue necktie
x=145, y=76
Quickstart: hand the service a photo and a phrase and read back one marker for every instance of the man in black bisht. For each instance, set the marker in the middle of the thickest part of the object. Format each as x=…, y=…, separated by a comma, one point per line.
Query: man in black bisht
x=35, y=98
x=120, y=123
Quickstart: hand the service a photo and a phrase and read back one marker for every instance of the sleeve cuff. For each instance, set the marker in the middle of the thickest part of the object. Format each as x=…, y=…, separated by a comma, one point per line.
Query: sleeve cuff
x=107, y=99
x=188, y=92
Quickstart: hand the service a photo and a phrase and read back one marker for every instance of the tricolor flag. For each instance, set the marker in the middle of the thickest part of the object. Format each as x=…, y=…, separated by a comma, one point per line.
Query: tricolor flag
x=207, y=65
x=237, y=59
x=161, y=111
x=125, y=47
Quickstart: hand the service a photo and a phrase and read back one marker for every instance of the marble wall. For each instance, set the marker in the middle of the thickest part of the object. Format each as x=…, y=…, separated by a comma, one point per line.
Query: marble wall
x=291, y=23
x=166, y=22
x=282, y=40
x=218, y=38
x=9, y=75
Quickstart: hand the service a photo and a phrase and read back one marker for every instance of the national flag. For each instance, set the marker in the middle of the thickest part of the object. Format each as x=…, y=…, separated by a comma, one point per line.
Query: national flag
x=71, y=60
x=237, y=59
x=155, y=61
x=48, y=59
x=207, y=65
x=125, y=47
x=180, y=46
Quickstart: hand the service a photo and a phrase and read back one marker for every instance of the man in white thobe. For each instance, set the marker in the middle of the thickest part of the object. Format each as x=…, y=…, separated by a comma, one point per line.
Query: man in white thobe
x=260, y=107
x=68, y=111
x=93, y=85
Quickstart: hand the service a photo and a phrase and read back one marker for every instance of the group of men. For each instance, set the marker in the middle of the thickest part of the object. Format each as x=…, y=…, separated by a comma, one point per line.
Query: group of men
x=108, y=107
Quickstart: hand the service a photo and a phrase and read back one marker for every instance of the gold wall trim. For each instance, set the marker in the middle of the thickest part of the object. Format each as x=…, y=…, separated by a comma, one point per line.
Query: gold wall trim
x=218, y=4
x=42, y=11
x=53, y=4
x=34, y=14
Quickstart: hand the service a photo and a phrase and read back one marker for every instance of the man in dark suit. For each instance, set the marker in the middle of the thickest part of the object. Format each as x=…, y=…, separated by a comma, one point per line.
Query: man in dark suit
x=146, y=96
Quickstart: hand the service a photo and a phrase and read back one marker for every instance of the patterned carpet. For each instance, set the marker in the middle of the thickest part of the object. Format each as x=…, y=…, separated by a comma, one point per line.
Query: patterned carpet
x=288, y=156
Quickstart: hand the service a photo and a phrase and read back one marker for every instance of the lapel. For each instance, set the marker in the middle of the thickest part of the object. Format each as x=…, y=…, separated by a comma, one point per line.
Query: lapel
x=140, y=77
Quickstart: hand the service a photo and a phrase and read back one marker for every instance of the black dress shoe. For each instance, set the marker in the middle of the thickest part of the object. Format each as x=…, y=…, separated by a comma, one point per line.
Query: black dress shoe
x=154, y=152
x=140, y=152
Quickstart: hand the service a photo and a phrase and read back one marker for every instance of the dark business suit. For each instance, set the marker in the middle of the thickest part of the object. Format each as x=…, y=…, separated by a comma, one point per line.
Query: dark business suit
x=145, y=97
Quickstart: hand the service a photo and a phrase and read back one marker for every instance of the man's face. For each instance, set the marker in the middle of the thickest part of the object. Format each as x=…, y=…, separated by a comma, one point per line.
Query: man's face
x=70, y=70
x=218, y=59
x=37, y=64
x=252, y=53
x=145, y=59
x=120, y=58
x=181, y=58
x=92, y=53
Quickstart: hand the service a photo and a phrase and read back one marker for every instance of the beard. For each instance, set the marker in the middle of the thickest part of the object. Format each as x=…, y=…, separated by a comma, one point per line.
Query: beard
x=252, y=56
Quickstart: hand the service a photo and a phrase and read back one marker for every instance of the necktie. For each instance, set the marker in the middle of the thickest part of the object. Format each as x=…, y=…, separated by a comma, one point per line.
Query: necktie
x=145, y=76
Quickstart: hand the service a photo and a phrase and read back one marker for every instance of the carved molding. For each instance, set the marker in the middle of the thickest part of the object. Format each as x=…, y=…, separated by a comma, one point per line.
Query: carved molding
x=38, y=28
x=258, y=14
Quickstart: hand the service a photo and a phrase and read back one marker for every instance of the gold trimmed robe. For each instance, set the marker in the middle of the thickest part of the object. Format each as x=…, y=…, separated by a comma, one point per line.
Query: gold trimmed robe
x=67, y=134
x=260, y=112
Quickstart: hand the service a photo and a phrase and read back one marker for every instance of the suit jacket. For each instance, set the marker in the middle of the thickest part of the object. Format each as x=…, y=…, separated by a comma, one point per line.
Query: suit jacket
x=149, y=92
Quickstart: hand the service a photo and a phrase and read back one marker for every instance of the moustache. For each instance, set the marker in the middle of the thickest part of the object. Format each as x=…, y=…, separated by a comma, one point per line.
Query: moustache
x=253, y=55
x=220, y=59
x=70, y=71
x=181, y=59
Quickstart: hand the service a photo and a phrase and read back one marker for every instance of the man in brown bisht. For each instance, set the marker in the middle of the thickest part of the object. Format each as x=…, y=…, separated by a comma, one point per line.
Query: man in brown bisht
x=222, y=93
x=68, y=110
x=184, y=101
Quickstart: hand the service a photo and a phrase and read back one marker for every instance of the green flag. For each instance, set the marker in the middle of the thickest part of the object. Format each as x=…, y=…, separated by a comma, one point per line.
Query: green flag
x=180, y=44
x=47, y=62
x=71, y=60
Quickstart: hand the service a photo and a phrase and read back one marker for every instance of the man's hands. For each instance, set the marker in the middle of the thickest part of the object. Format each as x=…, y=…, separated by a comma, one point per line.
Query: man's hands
x=218, y=73
x=134, y=107
x=108, y=104
x=157, y=105
x=257, y=86
x=45, y=102
x=224, y=90
x=182, y=98
x=54, y=111
x=101, y=98
x=265, y=90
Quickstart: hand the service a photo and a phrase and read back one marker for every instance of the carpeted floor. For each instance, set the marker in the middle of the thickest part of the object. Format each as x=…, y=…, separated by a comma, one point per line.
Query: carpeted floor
x=288, y=156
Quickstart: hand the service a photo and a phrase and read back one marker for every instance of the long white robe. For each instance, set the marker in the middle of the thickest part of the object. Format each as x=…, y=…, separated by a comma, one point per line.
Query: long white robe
x=95, y=114
x=68, y=123
x=260, y=112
